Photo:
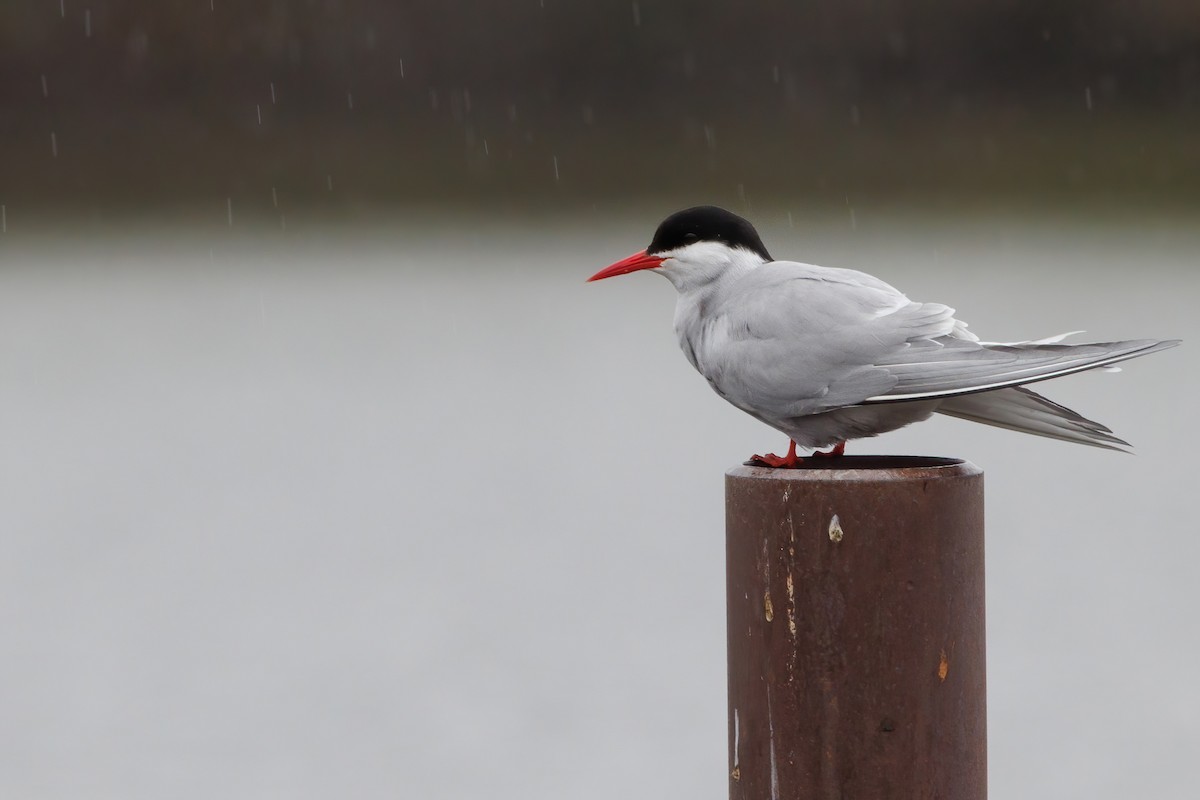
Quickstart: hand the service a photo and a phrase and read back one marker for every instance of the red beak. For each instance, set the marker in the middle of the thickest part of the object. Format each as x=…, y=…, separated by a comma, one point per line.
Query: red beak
x=626, y=265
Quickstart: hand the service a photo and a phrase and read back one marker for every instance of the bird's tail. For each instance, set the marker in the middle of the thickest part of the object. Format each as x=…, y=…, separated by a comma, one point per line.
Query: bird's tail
x=1019, y=409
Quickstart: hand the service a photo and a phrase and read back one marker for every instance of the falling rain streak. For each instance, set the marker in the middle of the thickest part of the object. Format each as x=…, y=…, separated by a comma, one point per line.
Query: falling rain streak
x=274, y=197
x=53, y=144
x=1087, y=97
x=258, y=111
x=555, y=167
x=62, y=8
x=349, y=101
x=329, y=182
x=272, y=94
x=87, y=23
x=637, y=16
x=45, y=87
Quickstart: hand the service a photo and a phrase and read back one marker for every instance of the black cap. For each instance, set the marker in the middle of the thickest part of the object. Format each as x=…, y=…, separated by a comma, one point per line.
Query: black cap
x=706, y=224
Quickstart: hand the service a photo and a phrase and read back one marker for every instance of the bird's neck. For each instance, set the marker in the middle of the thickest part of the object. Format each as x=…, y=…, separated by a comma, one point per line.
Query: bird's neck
x=693, y=275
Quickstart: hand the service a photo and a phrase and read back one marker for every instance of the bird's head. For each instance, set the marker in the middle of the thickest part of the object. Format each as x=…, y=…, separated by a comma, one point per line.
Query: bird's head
x=693, y=247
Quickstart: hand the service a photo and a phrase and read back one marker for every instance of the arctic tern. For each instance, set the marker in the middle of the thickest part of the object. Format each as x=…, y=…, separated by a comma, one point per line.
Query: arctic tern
x=828, y=355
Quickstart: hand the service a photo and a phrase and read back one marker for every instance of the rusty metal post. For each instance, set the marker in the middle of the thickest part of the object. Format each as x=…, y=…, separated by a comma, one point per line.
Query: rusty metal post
x=856, y=630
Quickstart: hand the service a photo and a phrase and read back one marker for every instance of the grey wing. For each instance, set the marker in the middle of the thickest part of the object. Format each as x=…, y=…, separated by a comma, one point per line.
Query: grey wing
x=799, y=339
x=947, y=367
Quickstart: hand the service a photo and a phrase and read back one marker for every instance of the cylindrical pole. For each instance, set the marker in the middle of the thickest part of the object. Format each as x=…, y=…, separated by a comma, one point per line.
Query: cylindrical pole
x=856, y=630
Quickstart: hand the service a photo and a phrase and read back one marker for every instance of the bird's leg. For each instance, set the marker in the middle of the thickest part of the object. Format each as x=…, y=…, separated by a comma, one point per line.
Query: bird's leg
x=838, y=449
x=791, y=460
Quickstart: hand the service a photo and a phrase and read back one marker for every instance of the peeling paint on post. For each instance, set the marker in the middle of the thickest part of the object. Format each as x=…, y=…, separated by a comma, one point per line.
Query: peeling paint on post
x=872, y=685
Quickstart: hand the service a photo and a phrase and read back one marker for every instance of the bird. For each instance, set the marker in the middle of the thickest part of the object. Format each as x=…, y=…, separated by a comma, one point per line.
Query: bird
x=828, y=355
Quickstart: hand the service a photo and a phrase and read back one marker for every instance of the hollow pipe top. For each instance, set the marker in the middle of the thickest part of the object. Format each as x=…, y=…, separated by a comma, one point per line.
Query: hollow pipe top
x=876, y=469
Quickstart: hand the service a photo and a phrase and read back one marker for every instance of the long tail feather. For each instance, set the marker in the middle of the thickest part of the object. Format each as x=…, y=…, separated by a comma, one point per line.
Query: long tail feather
x=1019, y=409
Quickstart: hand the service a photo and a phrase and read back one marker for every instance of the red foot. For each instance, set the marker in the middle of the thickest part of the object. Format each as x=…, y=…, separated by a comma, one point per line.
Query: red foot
x=790, y=461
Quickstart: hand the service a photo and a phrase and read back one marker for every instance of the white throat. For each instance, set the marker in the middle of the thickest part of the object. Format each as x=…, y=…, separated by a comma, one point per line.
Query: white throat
x=705, y=264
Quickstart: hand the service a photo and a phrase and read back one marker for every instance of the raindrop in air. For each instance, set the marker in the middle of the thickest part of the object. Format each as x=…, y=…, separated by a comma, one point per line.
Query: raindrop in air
x=637, y=15
x=53, y=144
x=87, y=23
x=45, y=87
x=258, y=111
x=1087, y=97
x=272, y=94
x=229, y=210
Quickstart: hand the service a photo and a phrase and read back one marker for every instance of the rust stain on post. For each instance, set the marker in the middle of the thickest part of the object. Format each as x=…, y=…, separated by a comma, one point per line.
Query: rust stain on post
x=881, y=563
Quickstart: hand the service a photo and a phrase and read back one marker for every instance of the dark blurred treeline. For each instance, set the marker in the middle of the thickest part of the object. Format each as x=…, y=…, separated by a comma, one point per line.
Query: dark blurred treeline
x=182, y=101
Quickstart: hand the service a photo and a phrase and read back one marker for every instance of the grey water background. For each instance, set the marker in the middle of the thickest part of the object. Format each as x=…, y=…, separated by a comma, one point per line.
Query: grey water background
x=412, y=510
x=325, y=474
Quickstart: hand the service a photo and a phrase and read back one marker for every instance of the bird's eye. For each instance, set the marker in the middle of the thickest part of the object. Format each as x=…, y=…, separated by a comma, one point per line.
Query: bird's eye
x=689, y=237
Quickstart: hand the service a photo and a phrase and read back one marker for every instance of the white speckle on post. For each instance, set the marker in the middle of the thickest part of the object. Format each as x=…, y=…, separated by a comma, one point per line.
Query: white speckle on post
x=737, y=738
x=771, y=730
x=229, y=210
x=791, y=606
x=835, y=529
x=53, y=144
